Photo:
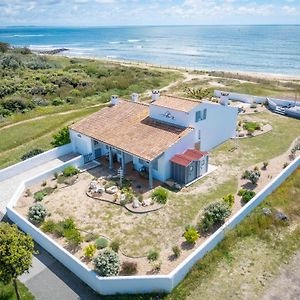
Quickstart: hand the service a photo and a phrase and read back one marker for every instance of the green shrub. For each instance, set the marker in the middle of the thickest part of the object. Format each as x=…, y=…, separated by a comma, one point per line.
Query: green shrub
x=68, y=230
x=152, y=255
x=89, y=250
x=61, y=138
x=160, y=195
x=191, y=235
x=57, y=102
x=229, y=200
x=48, y=226
x=129, y=268
x=156, y=266
x=252, y=175
x=176, y=251
x=37, y=213
x=115, y=245
x=39, y=196
x=70, y=171
x=214, y=214
x=107, y=263
x=246, y=195
x=101, y=243
x=251, y=126
x=32, y=153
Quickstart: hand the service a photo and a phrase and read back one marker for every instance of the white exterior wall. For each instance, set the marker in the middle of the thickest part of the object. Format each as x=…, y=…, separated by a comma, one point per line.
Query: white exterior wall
x=159, y=113
x=146, y=283
x=164, y=165
x=32, y=162
x=81, y=144
x=256, y=99
x=218, y=127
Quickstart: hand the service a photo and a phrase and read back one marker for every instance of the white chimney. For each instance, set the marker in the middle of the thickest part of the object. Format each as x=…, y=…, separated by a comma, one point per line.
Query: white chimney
x=114, y=100
x=134, y=97
x=224, y=100
x=155, y=95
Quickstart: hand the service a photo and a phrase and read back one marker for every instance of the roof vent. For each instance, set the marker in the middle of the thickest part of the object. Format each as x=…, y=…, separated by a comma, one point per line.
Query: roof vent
x=155, y=95
x=134, y=97
x=114, y=100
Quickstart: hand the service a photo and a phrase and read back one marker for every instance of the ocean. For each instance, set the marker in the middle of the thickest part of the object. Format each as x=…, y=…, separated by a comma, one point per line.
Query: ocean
x=269, y=49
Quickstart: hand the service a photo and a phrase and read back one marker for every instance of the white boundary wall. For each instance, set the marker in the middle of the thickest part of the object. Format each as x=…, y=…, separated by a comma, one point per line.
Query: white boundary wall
x=138, y=284
x=256, y=99
x=34, y=161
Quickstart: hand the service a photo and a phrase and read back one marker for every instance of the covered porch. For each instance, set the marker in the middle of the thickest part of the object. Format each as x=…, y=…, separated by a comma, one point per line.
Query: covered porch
x=124, y=164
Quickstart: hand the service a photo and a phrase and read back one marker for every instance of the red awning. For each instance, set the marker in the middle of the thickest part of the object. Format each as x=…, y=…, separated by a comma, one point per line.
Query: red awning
x=187, y=157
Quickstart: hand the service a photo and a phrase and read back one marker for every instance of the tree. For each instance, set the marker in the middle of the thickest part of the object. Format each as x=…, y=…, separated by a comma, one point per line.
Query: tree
x=16, y=249
x=61, y=138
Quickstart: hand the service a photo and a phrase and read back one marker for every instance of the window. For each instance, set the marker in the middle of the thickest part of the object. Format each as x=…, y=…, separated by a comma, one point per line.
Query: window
x=198, y=116
x=204, y=113
x=155, y=164
x=96, y=142
x=201, y=115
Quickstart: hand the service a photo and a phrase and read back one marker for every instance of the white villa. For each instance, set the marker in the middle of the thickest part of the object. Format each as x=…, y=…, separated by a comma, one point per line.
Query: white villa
x=168, y=138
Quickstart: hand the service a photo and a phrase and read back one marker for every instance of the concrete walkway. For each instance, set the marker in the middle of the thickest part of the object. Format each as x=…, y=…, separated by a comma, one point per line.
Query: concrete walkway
x=8, y=186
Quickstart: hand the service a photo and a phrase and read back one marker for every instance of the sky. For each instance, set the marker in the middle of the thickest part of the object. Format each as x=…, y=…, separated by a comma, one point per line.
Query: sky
x=152, y=12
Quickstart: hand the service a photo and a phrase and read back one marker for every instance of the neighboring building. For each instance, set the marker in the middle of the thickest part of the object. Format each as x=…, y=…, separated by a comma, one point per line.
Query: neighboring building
x=169, y=137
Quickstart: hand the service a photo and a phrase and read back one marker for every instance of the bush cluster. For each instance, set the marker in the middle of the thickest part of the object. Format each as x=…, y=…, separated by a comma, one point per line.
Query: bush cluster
x=152, y=255
x=160, y=195
x=214, y=214
x=252, y=175
x=107, y=263
x=89, y=251
x=62, y=137
x=229, y=200
x=191, y=234
x=66, y=228
x=37, y=213
x=70, y=171
x=246, y=195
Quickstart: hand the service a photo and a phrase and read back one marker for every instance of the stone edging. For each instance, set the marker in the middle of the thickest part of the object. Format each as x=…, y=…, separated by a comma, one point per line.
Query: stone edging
x=127, y=206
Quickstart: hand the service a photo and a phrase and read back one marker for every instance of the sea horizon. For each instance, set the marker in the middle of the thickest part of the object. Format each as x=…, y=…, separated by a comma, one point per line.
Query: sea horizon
x=260, y=48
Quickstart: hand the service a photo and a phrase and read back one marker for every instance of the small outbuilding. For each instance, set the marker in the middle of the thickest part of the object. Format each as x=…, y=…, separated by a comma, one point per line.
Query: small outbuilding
x=189, y=166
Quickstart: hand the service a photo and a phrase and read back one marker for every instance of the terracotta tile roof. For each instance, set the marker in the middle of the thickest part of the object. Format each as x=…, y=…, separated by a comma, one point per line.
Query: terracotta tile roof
x=127, y=126
x=177, y=103
x=187, y=157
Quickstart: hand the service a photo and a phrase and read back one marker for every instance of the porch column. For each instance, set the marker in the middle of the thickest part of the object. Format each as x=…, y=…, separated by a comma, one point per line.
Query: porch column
x=150, y=176
x=123, y=162
x=110, y=158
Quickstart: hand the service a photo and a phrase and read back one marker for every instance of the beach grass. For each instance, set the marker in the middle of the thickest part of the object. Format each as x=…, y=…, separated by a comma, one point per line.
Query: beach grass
x=19, y=139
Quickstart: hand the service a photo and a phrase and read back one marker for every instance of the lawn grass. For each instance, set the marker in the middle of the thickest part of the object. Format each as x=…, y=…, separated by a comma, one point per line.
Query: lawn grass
x=7, y=292
x=260, y=148
x=19, y=139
